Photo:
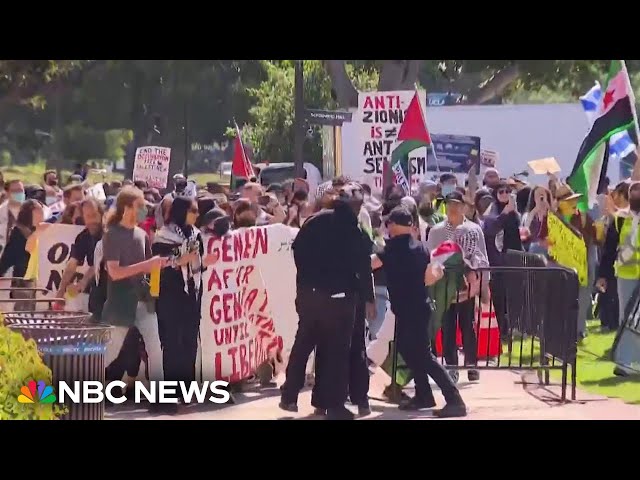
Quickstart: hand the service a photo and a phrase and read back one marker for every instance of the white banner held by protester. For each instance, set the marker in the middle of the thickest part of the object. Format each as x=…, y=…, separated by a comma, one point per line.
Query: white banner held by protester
x=248, y=304
x=152, y=166
x=54, y=250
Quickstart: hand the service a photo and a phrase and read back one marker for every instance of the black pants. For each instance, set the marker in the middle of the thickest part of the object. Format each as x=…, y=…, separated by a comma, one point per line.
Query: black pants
x=413, y=344
x=463, y=314
x=178, y=326
x=326, y=324
x=128, y=359
x=499, y=300
x=608, y=307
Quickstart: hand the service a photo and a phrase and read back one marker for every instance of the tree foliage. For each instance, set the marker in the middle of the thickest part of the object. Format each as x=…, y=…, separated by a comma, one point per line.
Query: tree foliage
x=76, y=110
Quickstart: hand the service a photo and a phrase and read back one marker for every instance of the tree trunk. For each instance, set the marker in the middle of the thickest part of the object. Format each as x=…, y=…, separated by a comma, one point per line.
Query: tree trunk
x=343, y=90
x=398, y=75
x=494, y=86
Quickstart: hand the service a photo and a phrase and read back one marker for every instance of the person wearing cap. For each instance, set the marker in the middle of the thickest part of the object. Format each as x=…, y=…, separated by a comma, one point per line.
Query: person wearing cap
x=333, y=274
x=581, y=222
x=621, y=259
x=406, y=265
x=462, y=311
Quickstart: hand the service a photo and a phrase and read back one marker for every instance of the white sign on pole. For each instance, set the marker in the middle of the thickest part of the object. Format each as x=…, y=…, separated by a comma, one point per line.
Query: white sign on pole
x=376, y=125
x=152, y=166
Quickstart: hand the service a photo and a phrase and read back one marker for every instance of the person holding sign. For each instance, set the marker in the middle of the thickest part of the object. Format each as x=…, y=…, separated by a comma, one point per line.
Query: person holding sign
x=179, y=302
x=621, y=258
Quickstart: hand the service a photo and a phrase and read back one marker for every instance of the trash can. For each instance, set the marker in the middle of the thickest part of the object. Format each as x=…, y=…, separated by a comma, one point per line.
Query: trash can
x=72, y=348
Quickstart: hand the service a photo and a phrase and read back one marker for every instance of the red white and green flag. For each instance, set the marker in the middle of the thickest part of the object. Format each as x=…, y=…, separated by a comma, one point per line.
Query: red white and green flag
x=413, y=134
x=615, y=113
x=241, y=167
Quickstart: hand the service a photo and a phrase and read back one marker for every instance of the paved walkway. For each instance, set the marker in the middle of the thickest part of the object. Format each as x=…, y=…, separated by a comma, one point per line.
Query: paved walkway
x=498, y=396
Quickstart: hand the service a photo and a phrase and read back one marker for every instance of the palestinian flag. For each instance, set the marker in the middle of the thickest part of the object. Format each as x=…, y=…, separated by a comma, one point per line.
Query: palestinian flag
x=413, y=134
x=445, y=291
x=615, y=114
x=241, y=166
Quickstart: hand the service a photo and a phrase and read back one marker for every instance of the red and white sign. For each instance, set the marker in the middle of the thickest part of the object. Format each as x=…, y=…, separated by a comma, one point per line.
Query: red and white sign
x=248, y=304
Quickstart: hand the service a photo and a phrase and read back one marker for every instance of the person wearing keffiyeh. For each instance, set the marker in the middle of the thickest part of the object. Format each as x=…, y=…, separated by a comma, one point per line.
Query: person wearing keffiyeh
x=178, y=306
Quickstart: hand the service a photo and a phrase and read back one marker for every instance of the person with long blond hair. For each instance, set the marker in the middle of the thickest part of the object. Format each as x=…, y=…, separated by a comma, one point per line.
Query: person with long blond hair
x=126, y=252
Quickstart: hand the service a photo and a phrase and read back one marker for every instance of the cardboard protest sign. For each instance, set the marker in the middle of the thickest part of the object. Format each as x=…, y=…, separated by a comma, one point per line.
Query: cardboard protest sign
x=544, y=166
x=248, y=304
x=152, y=166
x=97, y=192
x=489, y=158
x=567, y=247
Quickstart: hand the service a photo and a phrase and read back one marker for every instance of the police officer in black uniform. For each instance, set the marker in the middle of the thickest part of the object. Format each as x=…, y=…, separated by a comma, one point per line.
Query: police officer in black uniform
x=406, y=265
x=333, y=273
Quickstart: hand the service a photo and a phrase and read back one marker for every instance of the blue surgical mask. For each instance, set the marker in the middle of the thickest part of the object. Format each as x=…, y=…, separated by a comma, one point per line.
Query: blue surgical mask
x=447, y=189
x=18, y=197
x=51, y=200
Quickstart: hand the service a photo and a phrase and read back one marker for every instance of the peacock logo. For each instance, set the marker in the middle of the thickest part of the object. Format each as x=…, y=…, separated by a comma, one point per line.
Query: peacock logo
x=38, y=392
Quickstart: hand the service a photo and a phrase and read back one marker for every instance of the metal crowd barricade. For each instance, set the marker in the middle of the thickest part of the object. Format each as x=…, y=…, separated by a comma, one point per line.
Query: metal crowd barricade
x=72, y=347
x=537, y=318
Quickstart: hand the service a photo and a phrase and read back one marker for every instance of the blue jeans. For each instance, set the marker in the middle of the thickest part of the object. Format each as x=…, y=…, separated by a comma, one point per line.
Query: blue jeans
x=627, y=343
x=382, y=300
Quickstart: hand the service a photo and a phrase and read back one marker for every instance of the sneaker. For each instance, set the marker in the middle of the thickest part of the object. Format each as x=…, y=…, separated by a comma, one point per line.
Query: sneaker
x=395, y=394
x=340, y=414
x=452, y=410
x=473, y=375
x=415, y=404
x=455, y=375
x=288, y=407
x=364, y=410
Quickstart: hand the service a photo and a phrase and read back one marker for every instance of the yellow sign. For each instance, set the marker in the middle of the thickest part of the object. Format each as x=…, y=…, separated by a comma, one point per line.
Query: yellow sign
x=566, y=248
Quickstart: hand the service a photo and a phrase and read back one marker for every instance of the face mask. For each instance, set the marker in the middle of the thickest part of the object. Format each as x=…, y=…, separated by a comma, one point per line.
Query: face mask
x=18, y=197
x=51, y=200
x=447, y=189
x=634, y=204
x=141, y=214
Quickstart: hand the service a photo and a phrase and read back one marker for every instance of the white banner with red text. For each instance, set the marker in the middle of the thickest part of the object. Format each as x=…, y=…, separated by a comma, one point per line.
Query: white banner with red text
x=248, y=304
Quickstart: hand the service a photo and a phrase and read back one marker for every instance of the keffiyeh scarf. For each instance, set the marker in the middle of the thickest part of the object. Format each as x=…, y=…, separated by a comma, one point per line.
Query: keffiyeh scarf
x=172, y=235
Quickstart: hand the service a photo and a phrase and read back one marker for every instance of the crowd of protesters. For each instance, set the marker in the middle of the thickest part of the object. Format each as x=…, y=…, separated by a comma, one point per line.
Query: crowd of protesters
x=132, y=230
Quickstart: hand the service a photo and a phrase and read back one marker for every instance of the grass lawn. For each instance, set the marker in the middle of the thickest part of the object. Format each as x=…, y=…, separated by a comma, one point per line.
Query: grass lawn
x=595, y=369
x=32, y=174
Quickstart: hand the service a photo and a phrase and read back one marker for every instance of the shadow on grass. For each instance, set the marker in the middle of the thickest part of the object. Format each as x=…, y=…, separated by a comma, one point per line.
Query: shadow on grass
x=612, y=381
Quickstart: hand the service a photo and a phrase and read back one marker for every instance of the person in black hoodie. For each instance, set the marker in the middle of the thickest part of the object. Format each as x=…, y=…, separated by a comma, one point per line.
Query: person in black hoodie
x=501, y=228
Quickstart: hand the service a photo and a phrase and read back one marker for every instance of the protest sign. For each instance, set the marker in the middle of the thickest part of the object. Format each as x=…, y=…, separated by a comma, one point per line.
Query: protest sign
x=97, y=192
x=152, y=166
x=378, y=120
x=567, y=247
x=54, y=249
x=488, y=158
x=544, y=166
x=454, y=153
x=248, y=304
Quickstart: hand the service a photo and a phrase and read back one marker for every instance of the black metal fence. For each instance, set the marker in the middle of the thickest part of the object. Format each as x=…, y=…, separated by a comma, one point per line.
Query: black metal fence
x=522, y=316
